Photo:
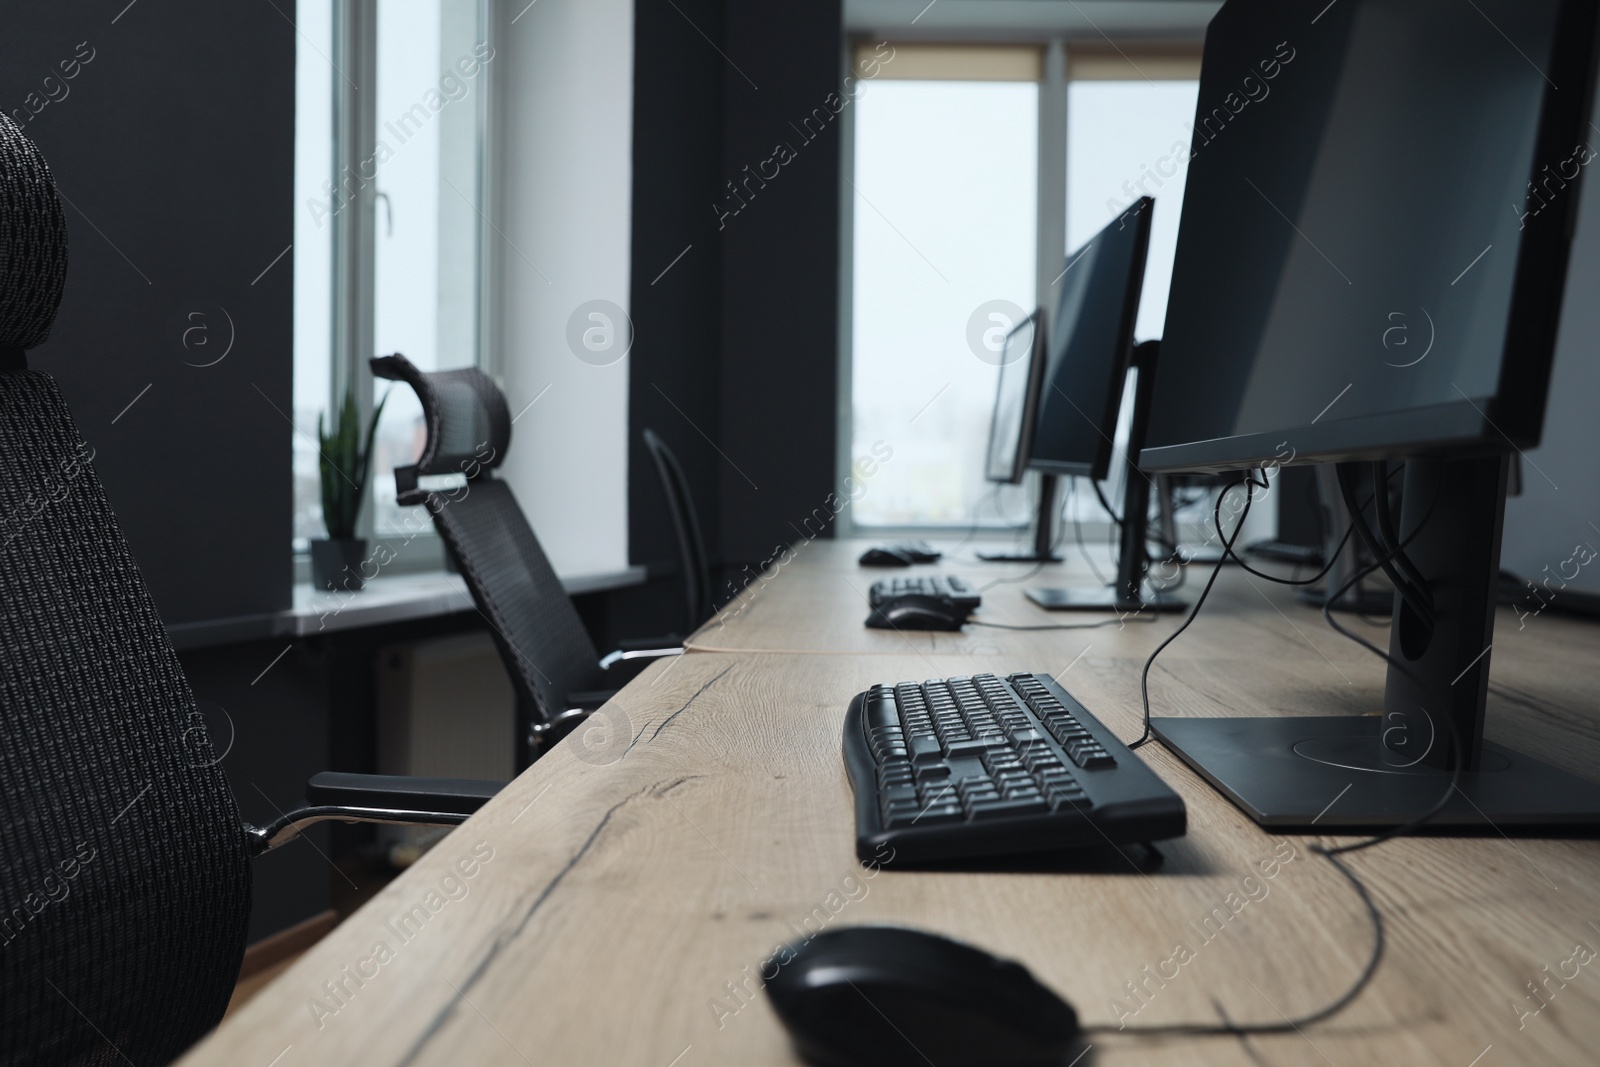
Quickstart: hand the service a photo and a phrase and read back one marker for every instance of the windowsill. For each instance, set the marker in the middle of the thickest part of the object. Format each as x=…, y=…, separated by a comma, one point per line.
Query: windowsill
x=389, y=598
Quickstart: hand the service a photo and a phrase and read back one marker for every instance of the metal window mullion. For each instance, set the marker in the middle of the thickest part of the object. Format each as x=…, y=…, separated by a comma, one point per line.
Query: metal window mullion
x=355, y=170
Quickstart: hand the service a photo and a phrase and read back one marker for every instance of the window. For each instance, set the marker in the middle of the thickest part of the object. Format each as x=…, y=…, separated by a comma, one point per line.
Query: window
x=1128, y=134
x=313, y=255
x=954, y=224
x=402, y=185
x=945, y=210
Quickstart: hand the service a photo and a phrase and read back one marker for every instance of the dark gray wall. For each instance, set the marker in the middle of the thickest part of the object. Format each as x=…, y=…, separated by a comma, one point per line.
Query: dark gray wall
x=677, y=153
x=173, y=148
x=780, y=272
x=742, y=333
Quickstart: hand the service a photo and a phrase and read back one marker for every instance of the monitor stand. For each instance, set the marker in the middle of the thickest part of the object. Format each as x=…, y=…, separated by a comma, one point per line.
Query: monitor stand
x=1386, y=767
x=1204, y=555
x=1131, y=593
x=1044, y=524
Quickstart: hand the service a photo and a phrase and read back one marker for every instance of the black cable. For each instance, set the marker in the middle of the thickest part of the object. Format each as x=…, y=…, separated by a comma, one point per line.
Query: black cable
x=1323, y=573
x=1332, y=559
x=1144, y=678
x=977, y=518
x=1083, y=549
x=1105, y=503
x=1419, y=604
x=1285, y=1025
x=1038, y=566
x=1386, y=531
x=1231, y=1029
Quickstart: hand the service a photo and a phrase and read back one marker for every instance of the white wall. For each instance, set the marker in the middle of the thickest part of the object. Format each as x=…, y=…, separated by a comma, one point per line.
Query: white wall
x=562, y=201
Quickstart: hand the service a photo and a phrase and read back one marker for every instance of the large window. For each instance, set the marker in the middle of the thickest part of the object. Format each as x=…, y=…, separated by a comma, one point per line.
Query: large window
x=945, y=209
x=313, y=254
x=397, y=178
x=953, y=200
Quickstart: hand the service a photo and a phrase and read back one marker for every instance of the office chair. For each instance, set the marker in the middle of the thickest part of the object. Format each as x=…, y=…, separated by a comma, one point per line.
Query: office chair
x=691, y=546
x=556, y=673
x=124, y=864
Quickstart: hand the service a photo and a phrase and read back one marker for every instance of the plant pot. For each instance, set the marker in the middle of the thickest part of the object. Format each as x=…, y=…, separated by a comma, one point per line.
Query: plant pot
x=336, y=564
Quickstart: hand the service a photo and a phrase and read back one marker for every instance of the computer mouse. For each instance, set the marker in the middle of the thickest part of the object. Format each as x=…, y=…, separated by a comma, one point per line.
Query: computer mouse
x=918, y=611
x=879, y=556
x=887, y=996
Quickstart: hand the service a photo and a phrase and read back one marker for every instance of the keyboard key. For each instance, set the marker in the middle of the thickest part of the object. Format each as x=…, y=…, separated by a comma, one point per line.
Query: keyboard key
x=895, y=793
x=881, y=711
x=925, y=750
x=972, y=747
x=995, y=809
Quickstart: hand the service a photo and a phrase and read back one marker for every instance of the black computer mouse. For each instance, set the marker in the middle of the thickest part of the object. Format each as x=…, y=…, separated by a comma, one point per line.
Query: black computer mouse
x=886, y=996
x=918, y=611
x=879, y=556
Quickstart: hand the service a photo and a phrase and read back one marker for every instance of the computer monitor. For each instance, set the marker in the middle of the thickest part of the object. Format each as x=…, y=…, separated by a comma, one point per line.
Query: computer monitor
x=1075, y=388
x=1016, y=402
x=1090, y=340
x=1370, y=266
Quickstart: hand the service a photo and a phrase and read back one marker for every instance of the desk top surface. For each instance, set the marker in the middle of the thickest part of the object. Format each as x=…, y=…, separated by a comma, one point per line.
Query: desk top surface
x=614, y=903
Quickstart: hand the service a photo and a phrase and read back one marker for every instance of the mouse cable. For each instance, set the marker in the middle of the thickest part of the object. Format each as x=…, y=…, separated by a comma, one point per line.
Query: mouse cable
x=1345, y=999
x=1077, y=532
x=1061, y=532
x=1374, y=958
x=1104, y=503
x=992, y=495
x=1251, y=485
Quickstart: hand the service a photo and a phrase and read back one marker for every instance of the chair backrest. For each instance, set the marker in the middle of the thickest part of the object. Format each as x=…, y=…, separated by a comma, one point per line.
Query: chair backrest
x=124, y=876
x=686, y=524
x=542, y=640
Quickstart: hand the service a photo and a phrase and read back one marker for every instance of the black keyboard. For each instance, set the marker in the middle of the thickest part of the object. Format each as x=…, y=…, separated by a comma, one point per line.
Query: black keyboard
x=984, y=766
x=939, y=585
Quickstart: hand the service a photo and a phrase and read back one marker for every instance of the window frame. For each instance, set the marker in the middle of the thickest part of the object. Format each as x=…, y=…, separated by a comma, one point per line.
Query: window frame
x=352, y=313
x=1094, y=59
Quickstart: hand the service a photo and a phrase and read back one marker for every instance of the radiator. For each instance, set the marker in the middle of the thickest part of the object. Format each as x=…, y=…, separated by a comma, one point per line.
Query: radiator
x=445, y=710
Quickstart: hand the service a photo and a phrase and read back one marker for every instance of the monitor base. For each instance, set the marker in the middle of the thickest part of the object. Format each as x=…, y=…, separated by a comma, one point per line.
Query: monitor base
x=1286, y=552
x=1327, y=774
x=1101, y=599
x=1031, y=557
x=1354, y=602
x=1202, y=557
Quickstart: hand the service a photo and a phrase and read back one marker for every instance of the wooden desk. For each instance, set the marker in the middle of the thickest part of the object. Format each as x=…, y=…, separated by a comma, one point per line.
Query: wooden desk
x=637, y=880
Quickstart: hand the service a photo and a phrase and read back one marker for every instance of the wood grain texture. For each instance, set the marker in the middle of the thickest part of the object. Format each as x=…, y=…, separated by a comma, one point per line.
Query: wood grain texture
x=625, y=889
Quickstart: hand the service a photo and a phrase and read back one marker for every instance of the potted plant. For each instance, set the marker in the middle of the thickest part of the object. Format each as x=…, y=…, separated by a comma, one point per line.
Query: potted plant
x=345, y=463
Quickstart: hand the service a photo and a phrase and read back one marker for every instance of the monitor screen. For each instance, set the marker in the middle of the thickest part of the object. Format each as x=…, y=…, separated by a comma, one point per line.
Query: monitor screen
x=1097, y=297
x=1374, y=237
x=1016, y=402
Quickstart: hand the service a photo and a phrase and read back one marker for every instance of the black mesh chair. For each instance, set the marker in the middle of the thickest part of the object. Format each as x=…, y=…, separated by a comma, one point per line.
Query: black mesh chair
x=686, y=526
x=556, y=672
x=124, y=864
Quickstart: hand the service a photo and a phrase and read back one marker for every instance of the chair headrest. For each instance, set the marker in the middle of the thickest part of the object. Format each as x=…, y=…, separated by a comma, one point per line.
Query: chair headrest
x=33, y=245
x=469, y=424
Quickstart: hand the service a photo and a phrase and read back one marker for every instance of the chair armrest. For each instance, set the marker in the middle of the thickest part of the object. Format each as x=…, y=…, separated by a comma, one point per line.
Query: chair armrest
x=396, y=791
x=375, y=798
x=643, y=644
x=611, y=659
